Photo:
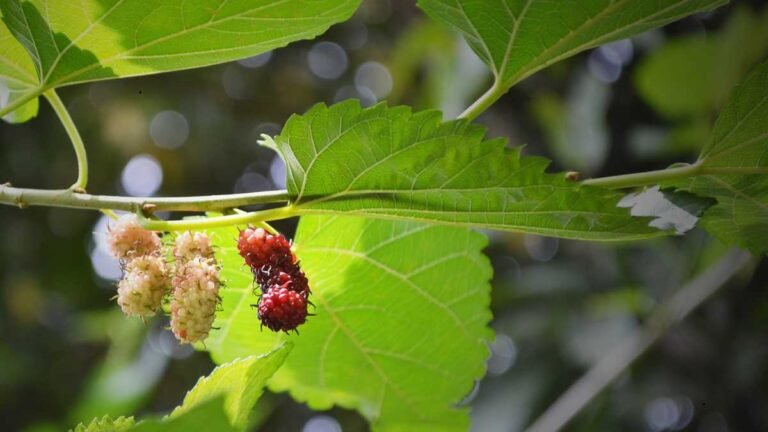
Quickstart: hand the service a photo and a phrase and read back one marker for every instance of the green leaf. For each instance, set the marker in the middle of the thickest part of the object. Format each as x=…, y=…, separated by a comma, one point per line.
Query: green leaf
x=390, y=163
x=694, y=75
x=241, y=381
x=75, y=42
x=399, y=331
x=17, y=77
x=106, y=424
x=516, y=38
x=739, y=146
x=210, y=415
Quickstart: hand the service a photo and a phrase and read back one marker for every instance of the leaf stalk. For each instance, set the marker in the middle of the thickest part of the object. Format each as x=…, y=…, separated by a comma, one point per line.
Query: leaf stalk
x=74, y=136
x=216, y=221
x=645, y=178
x=484, y=102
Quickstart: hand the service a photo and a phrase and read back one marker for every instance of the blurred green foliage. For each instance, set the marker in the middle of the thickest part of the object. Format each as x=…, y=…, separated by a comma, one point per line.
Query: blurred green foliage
x=693, y=75
x=690, y=77
x=558, y=305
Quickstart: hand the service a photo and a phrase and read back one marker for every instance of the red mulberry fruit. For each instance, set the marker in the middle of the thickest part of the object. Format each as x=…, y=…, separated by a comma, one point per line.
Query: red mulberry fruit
x=289, y=276
x=282, y=309
x=260, y=248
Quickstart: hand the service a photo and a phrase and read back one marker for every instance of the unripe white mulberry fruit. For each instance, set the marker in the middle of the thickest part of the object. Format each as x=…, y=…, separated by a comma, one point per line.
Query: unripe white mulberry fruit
x=127, y=239
x=195, y=298
x=145, y=281
x=190, y=245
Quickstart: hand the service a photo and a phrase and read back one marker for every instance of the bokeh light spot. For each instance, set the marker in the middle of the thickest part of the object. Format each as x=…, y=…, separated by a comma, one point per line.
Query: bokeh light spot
x=322, y=423
x=169, y=129
x=375, y=77
x=142, y=176
x=327, y=60
x=256, y=61
x=503, y=354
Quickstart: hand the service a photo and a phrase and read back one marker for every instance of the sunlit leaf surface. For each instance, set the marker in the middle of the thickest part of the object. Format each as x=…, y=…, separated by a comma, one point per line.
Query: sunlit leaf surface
x=399, y=331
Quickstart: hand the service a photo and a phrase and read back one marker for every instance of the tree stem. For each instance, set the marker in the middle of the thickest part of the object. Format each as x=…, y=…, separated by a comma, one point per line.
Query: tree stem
x=618, y=359
x=74, y=136
x=23, y=197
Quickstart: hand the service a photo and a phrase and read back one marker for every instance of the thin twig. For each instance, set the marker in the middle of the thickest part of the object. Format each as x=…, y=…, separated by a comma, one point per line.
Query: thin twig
x=23, y=197
x=613, y=364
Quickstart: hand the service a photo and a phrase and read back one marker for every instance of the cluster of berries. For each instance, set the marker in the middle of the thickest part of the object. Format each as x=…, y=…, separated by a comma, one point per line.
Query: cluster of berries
x=284, y=287
x=193, y=279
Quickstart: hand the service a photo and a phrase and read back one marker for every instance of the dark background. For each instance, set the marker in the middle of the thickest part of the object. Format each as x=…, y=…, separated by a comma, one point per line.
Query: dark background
x=68, y=354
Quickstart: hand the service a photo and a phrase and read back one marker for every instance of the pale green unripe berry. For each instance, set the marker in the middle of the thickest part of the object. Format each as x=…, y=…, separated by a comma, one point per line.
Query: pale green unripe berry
x=195, y=299
x=127, y=239
x=190, y=245
x=144, y=284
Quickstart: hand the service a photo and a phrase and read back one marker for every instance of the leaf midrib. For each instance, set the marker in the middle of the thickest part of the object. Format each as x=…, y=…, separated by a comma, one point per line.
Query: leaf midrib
x=727, y=150
x=513, y=36
x=80, y=36
x=480, y=38
x=386, y=381
x=527, y=71
x=739, y=193
x=154, y=42
x=340, y=196
x=400, y=276
x=15, y=66
x=32, y=36
x=71, y=77
x=120, y=55
x=576, y=234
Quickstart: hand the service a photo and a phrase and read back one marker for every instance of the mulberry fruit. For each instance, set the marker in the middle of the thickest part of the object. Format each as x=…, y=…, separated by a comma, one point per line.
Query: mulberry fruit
x=282, y=309
x=290, y=277
x=127, y=239
x=284, y=287
x=195, y=299
x=140, y=292
x=189, y=245
x=260, y=248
